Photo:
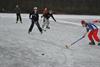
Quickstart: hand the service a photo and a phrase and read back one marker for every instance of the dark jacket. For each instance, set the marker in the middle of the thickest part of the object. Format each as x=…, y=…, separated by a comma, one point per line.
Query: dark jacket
x=34, y=16
x=18, y=11
x=48, y=15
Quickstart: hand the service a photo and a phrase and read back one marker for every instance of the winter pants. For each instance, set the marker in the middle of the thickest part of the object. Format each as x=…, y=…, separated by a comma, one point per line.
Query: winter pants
x=93, y=34
x=45, y=22
x=18, y=17
x=37, y=24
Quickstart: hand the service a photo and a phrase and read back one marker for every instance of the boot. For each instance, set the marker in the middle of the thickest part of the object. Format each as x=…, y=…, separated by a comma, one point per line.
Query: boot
x=48, y=27
x=28, y=32
x=92, y=43
x=98, y=43
x=20, y=21
x=41, y=30
x=16, y=21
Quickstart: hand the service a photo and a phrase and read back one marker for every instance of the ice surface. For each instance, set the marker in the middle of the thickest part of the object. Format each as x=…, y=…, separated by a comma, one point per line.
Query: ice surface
x=19, y=49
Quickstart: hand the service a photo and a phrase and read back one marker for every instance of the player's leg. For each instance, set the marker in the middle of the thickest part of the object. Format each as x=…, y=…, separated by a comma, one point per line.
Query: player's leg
x=20, y=18
x=48, y=27
x=17, y=18
x=95, y=35
x=44, y=23
x=38, y=25
x=91, y=38
x=31, y=27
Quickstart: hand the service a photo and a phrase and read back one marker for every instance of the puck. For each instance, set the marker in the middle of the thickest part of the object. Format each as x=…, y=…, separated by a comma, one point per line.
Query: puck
x=42, y=54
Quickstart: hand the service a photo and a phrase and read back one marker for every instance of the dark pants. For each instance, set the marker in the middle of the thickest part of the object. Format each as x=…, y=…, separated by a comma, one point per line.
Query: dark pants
x=32, y=25
x=18, y=17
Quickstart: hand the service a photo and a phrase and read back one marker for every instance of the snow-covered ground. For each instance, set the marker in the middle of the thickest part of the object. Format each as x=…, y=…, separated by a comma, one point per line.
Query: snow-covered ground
x=19, y=49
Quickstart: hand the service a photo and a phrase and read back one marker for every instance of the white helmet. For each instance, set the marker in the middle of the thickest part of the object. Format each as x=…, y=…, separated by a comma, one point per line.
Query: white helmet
x=17, y=6
x=35, y=8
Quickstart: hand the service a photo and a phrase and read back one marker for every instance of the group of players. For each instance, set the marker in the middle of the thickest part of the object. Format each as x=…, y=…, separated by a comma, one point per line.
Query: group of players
x=91, y=28
x=34, y=16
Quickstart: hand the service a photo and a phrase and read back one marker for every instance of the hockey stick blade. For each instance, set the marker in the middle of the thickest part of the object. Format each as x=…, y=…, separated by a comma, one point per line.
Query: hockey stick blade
x=74, y=42
x=68, y=46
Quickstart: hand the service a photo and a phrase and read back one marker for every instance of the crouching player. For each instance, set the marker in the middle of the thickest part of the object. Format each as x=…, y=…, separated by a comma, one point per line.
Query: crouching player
x=92, y=31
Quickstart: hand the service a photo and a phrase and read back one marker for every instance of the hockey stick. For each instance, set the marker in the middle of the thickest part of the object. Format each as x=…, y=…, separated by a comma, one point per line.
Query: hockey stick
x=75, y=42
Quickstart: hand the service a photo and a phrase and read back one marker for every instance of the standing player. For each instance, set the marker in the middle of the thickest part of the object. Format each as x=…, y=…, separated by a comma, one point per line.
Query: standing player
x=46, y=15
x=92, y=31
x=34, y=16
x=18, y=14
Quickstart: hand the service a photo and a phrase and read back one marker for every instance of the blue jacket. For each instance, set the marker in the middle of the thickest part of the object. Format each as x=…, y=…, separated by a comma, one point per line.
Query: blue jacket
x=91, y=26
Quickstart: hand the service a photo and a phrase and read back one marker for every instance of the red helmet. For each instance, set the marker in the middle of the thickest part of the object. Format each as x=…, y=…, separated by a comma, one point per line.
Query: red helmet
x=95, y=20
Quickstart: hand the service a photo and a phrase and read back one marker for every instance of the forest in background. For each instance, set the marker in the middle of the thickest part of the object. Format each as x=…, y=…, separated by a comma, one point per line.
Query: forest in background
x=90, y=7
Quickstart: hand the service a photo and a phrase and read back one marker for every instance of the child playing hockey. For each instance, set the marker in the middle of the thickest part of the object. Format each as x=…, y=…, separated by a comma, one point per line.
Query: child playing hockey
x=46, y=15
x=34, y=16
x=92, y=31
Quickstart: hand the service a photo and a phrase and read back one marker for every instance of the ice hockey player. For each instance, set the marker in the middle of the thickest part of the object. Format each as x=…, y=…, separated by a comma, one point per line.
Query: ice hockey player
x=92, y=31
x=96, y=21
x=18, y=14
x=34, y=16
x=46, y=15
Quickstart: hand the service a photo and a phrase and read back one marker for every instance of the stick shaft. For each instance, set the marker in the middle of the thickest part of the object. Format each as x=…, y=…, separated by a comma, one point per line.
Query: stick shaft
x=77, y=41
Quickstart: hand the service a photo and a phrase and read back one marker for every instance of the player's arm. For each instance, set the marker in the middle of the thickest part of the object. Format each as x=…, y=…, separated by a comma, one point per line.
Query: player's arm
x=87, y=30
x=53, y=17
x=38, y=16
x=30, y=15
x=96, y=21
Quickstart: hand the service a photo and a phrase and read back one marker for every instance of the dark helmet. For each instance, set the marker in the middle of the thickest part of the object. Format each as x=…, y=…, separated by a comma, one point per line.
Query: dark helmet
x=83, y=22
